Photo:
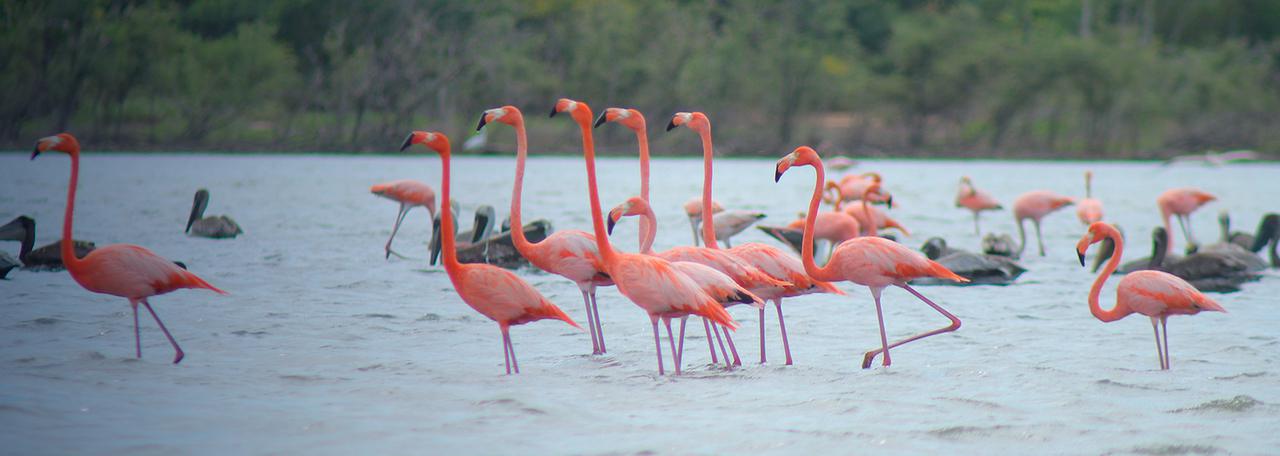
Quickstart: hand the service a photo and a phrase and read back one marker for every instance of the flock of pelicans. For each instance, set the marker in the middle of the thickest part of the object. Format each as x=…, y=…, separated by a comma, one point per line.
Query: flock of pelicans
x=702, y=280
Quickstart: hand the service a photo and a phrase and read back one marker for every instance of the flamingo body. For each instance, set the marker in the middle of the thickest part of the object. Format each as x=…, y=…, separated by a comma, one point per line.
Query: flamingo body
x=1181, y=202
x=132, y=272
x=1035, y=205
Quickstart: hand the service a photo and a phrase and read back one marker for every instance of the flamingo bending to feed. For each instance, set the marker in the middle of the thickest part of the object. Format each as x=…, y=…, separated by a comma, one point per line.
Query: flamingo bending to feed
x=969, y=197
x=730, y=223
x=1089, y=209
x=852, y=187
x=693, y=209
x=871, y=218
x=1181, y=202
x=410, y=194
x=870, y=261
x=571, y=254
x=648, y=281
x=1035, y=205
x=125, y=270
x=494, y=292
x=215, y=226
x=1152, y=293
x=781, y=267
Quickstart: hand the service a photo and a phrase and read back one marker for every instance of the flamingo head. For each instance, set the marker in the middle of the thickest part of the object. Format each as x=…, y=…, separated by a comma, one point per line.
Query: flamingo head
x=632, y=206
x=629, y=118
x=1096, y=233
x=580, y=112
x=508, y=114
x=696, y=121
x=803, y=155
x=61, y=142
x=433, y=140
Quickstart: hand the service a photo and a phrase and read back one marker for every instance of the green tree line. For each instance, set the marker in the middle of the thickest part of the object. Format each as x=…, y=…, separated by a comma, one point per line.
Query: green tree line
x=1001, y=78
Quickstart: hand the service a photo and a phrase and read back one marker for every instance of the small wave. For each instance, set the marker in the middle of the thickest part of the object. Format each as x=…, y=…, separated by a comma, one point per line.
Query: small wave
x=1110, y=382
x=984, y=404
x=1178, y=449
x=1242, y=375
x=94, y=355
x=249, y=333
x=1241, y=403
x=513, y=405
x=428, y=317
x=377, y=315
x=303, y=378
x=959, y=432
x=42, y=321
x=369, y=368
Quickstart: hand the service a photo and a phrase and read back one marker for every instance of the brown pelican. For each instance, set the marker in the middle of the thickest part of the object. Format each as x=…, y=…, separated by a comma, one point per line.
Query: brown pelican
x=1207, y=271
x=217, y=227
x=480, y=229
x=23, y=229
x=729, y=223
x=979, y=269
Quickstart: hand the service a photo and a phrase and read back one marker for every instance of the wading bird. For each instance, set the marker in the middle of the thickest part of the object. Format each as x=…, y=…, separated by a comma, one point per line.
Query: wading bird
x=496, y=293
x=1152, y=293
x=125, y=270
x=214, y=226
x=1035, y=205
x=1181, y=202
x=1089, y=209
x=873, y=262
x=976, y=201
x=410, y=194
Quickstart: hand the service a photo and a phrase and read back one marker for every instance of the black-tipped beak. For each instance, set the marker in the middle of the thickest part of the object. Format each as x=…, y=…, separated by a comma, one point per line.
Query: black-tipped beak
x=888, y=202
x=1081, y=255
x=671, y=124
x=777, y=175
x=600, y=120
x=610, y=230
x=553, y=112
x=408, y=141
x=35, y=152
x=481, y=124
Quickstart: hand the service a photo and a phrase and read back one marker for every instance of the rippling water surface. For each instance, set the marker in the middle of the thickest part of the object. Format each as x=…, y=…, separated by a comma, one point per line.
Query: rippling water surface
x=325, y=347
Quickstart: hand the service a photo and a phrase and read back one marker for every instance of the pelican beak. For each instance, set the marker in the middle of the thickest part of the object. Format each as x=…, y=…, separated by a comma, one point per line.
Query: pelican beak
x=408, y=141
x=671, y=124
x=481, y=124
x=1081, y=255
x=600, y=120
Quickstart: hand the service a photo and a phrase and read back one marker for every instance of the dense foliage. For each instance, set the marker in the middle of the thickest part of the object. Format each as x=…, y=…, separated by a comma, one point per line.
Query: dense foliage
x=1025, y=78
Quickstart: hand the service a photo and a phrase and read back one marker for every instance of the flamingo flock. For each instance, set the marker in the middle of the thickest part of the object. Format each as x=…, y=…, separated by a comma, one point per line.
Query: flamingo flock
x=704, y=279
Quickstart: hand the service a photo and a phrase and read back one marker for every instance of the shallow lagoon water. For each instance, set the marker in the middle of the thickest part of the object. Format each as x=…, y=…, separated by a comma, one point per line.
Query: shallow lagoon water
x=325, y=347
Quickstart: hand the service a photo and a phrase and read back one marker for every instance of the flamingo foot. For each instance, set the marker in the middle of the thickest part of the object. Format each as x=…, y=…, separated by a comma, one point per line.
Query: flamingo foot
x=871, y=356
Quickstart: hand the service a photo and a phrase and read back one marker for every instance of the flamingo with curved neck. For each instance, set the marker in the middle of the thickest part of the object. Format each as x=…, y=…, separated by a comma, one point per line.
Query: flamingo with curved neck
x=870, y=261
x=571, y=254
x=125, y=270
x=975, y=200
x=1155, y=294
x=648, y=281
x=494, y=292
x=770, y=260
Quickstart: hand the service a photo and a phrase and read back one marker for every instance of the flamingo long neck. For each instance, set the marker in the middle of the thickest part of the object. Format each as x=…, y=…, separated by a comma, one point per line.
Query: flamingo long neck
x=648, y=230
x=1168, y=234
x=447, y=243
x=806, y=250
x=521, y=243
x=1088, y=186
x=597, y=221
x=646, y=223
x=871, y=227
x=68, y=252
x=1117, y=312
x=708, y=231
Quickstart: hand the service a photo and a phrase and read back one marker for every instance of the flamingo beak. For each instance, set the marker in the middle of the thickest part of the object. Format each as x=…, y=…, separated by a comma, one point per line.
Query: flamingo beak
x=1081, y=255
x=35, y=153
x=889, y=202
x=611, y=223
x=777, y=175
x=601, y=120
x=408, y=141
x=553, y=112
x=482, y=121
x=671, y=124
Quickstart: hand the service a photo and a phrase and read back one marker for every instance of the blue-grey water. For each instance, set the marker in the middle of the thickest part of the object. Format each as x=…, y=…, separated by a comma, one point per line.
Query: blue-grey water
x=325, y=347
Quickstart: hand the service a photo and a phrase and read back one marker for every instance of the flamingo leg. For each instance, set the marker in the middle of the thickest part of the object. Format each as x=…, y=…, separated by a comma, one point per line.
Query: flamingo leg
x=1164, y=328
x=680, y=358
x=671, y=340
x=955, y=324
x=137, y=335
x=1039, y=239
x=884, y=340
x=178, y=354
x=786, y=347
x=710, y=346
x=595, y=310
x=404, y=209
x=1184, y=220
x=716, y=329
x=657, y=343
x=1160, y=352
x=762, y=357
x=591, y=323
x=976, y=230
x=515, y=365
x=734, y=350
x=1022, y=238
x=506, y=350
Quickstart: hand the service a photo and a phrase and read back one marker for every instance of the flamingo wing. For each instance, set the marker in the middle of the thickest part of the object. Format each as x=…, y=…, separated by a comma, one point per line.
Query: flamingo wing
x=1155, y=293
x=132, y=271
x=503, y=296
x=569, y=253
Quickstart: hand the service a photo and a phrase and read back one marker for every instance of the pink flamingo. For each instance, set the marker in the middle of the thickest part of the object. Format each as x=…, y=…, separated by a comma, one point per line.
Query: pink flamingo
x=693, y=209
x=125, y=270
x=714, y=283
x=410, y=194
x=570, y=254
x=870, y=261
x=969, y=197
x=1181, y=202
x=871, y=218
x=1035, y=205
x=1152, y=293
x=834, y=227
x=648, y=281
x=784, y=269
x=852, y=187
x=1089, y=209
x=494, y=292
